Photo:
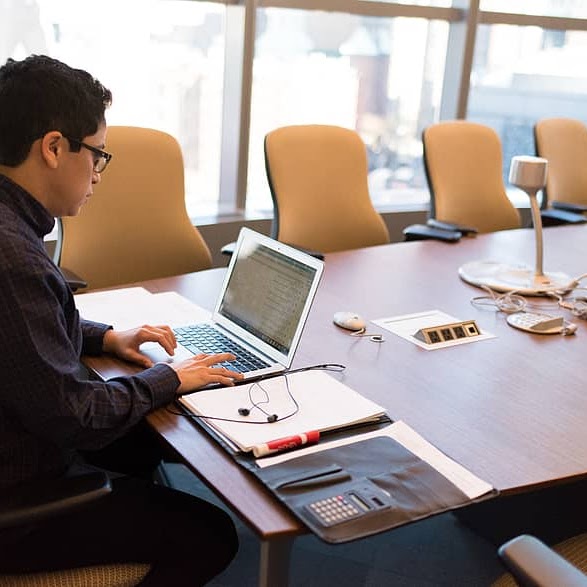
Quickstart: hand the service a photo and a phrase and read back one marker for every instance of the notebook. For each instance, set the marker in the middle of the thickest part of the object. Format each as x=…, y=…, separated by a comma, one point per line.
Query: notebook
x=262, y=307
x=308, y=401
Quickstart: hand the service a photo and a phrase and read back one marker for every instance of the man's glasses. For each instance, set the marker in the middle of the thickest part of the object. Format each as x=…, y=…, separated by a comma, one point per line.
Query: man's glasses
x=102, y=158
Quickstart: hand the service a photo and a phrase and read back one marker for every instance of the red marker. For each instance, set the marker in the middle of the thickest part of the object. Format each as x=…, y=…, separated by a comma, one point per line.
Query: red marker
x=287, y=443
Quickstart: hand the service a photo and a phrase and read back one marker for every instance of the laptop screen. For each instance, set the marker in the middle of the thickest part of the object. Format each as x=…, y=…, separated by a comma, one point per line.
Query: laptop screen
x=267, y=293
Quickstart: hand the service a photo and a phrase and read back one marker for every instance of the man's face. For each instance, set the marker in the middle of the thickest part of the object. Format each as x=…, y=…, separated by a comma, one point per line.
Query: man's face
x=76, y=174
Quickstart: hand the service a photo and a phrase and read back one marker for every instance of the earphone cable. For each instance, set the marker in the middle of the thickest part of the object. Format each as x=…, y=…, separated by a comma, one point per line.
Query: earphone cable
x=512, y=302
x=509, y=302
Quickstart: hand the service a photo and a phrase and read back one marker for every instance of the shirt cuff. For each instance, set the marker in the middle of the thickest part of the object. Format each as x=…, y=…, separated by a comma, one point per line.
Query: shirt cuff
x=163, y=381
x=93, y=337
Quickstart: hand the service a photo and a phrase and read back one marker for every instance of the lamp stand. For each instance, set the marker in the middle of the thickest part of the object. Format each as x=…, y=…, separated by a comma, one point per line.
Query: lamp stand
x=528, y=174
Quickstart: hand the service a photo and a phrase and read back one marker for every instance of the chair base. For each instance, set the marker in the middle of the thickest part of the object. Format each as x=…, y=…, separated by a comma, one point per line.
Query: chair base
x=556, y=217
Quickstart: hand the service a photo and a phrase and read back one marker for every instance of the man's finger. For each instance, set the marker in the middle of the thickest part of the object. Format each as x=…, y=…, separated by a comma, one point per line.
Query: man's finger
x=218, y=358
x=139, y=359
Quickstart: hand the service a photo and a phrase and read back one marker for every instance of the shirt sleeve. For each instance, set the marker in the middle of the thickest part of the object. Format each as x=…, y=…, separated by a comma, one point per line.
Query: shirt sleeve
x=40, y=351
x=93, y=336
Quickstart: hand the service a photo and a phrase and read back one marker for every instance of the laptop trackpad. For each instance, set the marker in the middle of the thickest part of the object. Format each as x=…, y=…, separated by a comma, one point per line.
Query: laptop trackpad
x=157, y=354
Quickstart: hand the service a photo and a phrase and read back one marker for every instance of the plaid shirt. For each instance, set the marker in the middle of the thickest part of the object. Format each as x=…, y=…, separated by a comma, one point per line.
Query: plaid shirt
x=47, y=411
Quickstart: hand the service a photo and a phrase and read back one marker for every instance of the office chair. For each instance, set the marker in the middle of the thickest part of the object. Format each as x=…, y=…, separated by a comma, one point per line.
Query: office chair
x=533, y=564
x=135, y=226
x=31, y=502
x=563, y=142
x=463, y=164
x=318, y=180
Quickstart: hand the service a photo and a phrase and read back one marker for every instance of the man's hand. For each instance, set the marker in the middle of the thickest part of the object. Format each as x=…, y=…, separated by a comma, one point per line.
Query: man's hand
x=200, y=370
x=125, y=343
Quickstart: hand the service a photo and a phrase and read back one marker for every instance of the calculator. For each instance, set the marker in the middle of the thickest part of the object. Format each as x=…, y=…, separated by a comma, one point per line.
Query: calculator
x=361, y=499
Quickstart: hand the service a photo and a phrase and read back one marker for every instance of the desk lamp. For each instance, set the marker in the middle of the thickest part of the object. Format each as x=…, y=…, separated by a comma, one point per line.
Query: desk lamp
x=528, y=174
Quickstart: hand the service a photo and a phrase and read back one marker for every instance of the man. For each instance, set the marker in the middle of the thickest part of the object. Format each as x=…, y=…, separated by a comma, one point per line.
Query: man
x=52, y=136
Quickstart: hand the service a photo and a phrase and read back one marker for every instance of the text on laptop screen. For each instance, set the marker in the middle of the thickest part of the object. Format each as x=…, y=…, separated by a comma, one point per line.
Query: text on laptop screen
x=266, y=294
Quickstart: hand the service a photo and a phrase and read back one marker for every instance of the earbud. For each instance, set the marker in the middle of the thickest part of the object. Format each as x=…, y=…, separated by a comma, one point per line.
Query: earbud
x=270, y=417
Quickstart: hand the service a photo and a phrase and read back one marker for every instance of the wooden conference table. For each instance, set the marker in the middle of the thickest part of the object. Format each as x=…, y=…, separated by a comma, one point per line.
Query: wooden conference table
x=511, y=409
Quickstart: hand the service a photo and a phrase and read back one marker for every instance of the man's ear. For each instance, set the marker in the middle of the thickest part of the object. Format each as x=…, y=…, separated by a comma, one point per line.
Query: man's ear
x=52, y=146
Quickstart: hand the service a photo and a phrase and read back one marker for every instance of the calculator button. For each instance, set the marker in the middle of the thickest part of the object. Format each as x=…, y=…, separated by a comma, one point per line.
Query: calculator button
x=333, y=510
x=537, y=323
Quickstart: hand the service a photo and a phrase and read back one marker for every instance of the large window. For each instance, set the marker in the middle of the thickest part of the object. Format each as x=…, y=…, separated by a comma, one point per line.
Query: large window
x=523, y=73
x=219, y=75
x=380, y=76
x=162, y=59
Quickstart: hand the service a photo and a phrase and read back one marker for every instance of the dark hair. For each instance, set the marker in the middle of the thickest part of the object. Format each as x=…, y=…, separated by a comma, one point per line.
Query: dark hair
x=41, y=94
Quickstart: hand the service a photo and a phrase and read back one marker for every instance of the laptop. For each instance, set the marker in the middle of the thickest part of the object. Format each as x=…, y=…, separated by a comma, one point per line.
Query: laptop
x=262, y=308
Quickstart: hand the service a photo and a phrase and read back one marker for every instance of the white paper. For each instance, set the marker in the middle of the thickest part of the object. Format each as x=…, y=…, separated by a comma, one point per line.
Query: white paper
x=175, y=310
x=131, y=307
x=116, y=307
x=324, y=403
x=134, y=306
x=408, y=324
x=471, y=485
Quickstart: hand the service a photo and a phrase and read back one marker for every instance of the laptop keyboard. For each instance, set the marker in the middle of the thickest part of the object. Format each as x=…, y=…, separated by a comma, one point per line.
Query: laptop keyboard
x=203, y=338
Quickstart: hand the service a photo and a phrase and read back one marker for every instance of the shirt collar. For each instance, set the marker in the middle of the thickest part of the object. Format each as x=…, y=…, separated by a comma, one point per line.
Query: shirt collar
x=27, y=207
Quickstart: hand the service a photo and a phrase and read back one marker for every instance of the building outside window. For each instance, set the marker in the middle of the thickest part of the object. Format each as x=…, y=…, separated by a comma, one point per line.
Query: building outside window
x=523, y=73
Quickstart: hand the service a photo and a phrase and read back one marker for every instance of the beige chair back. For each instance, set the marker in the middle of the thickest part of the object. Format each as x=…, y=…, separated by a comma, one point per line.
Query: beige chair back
x=318, y=180
x=463, y=162
x=563, y=141
x=135, y=226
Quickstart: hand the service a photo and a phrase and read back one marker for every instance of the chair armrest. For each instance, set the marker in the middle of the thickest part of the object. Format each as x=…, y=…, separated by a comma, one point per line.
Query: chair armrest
x=578, y=208
x=452, y=226
x=228, y=249
x=75, y=281
x=35, y=500
x=533, y=564
x=418, y=232
x=556, y=217
x=316, y=254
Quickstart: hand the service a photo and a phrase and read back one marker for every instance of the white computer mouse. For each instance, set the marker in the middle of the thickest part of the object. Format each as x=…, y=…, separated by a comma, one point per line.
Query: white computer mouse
x=349, y=320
